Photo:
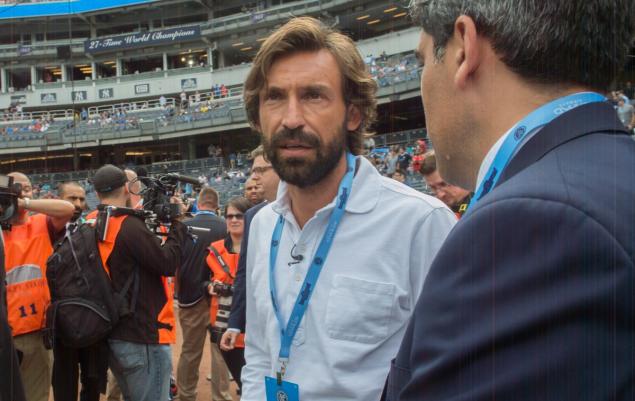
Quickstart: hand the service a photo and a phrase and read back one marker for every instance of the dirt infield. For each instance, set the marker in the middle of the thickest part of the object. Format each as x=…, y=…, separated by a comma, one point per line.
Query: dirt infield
x=204, y=386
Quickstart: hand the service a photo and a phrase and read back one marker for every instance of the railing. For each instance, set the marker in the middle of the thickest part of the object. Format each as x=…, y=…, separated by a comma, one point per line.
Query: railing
x=151, y=118
x=213, y=167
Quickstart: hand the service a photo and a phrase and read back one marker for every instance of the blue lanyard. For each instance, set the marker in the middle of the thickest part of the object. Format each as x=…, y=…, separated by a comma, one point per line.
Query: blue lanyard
x=287, y=333
x=533, y=121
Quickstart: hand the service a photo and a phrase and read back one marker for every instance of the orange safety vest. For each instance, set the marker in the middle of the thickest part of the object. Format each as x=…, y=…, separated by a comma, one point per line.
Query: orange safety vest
x=166, y=316
x=231, y=259
x=27, y=247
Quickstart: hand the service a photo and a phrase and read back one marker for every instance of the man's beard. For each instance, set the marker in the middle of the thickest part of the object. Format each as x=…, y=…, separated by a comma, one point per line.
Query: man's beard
x=302, y=172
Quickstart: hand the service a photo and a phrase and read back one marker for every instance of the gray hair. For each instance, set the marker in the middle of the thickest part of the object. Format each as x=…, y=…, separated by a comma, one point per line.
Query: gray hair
x=571, y=42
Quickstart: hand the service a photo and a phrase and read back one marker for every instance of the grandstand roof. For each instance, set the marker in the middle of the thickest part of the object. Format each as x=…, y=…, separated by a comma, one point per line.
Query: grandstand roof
x=61, y=8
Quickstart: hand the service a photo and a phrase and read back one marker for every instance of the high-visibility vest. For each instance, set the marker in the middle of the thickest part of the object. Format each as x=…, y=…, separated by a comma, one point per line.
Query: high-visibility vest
x=166, y=318
x=27, y=247
x=231, y=259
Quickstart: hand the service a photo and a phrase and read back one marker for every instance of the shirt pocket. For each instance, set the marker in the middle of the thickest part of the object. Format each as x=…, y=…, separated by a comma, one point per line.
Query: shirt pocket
x=359, y=310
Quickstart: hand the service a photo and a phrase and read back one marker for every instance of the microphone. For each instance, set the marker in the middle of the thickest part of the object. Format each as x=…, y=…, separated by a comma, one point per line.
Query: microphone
x=296, y=258
x=184, y=178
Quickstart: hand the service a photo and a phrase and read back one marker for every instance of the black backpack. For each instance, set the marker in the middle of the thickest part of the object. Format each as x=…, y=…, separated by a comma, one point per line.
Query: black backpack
x=84, y=307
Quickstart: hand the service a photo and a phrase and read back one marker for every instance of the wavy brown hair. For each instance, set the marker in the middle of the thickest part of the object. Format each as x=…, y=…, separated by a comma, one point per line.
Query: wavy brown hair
x=309, y=34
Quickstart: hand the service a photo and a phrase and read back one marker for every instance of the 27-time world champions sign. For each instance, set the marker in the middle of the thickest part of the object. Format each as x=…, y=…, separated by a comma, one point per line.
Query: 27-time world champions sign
x=133, y=40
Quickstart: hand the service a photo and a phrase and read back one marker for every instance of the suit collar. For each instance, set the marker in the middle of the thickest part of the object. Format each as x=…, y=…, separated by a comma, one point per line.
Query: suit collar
x=581, y=121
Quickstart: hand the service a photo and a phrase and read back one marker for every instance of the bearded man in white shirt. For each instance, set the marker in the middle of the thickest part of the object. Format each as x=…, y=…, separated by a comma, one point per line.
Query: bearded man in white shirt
x=328, y=295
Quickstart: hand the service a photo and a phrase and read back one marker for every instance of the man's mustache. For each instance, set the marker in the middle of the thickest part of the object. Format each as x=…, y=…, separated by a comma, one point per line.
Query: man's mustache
x=295, y=134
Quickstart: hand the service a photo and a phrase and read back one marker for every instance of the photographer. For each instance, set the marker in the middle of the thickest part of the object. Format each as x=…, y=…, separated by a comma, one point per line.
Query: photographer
x=70, y=364
x=28, y=244
x=223, y=262
x=140, y=355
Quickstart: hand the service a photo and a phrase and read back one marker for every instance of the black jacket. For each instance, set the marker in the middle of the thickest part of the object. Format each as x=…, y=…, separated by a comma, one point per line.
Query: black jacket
x=194, y=271
x=10, y=383
x=138, y=249
x=531, y=296
x=239, y=304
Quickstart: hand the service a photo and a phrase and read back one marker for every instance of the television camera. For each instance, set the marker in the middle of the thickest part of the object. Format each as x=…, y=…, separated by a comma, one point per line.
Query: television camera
x=9, y=194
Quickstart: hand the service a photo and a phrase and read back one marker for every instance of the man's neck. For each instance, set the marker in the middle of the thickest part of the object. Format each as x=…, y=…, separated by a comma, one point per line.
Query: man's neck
x=114, y=202
x=23, y=217
x=305, y=202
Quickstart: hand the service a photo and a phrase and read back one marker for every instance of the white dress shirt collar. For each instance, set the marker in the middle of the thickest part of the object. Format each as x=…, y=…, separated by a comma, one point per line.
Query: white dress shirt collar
x=364, y=194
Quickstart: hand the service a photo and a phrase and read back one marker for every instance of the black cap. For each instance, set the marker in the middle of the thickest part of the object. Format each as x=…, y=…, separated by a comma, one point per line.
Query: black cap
x=108, y=178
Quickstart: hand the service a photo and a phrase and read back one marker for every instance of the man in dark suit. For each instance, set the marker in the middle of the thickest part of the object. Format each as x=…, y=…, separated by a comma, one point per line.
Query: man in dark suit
x=193, y=302
x=10, y=381
x=263, y=174
x=531, y=296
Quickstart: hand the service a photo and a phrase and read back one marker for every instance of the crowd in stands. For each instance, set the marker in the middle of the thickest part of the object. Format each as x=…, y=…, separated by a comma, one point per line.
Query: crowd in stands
x=389, y=70
x=624, y=102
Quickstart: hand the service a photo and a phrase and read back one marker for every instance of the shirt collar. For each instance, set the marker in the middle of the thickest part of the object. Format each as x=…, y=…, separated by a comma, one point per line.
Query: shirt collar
x=364, y=193
x=208, y=212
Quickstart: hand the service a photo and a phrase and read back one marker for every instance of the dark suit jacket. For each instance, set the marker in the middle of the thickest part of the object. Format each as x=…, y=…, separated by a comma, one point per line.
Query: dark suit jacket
x=532, y=295
x=237, y=314
x=10, y=381
x=194, y=271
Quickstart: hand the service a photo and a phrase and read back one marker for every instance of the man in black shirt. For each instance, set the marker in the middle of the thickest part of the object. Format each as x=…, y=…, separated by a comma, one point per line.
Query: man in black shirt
x=193, y=301
x=140, y=354
x=263, y=173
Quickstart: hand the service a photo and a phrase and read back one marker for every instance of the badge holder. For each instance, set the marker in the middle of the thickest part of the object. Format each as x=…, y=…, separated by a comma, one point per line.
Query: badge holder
x=281, y=390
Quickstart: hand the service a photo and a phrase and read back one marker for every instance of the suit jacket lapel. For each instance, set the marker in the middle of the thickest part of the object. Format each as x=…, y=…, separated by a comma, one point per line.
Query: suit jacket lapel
x=583, y=120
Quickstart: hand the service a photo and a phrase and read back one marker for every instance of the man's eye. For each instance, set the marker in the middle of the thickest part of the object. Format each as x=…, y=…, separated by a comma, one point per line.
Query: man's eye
x=273, y=96
x=313, y=96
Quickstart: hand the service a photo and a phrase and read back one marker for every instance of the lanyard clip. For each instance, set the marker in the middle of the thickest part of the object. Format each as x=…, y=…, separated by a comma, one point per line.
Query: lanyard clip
x=281, y=371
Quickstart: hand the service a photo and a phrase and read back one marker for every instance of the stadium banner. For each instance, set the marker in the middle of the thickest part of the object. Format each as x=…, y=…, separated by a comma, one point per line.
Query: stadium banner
x=188, y=83
x=106, y=93
x=141, y=89
x=18, y=99
x=119, y=42
x=79, y=96
x=48, y=98
x=23, y=50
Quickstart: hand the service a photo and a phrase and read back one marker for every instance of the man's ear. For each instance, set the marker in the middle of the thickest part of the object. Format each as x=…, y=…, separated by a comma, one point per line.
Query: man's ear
x=466, y=54
x=353, y=117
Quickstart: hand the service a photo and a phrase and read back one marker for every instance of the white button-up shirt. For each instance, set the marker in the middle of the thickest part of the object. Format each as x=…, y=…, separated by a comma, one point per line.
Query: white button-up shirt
x=364, y=297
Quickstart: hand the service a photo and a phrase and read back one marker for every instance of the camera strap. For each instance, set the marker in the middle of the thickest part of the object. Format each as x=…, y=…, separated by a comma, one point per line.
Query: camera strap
x=221, y=261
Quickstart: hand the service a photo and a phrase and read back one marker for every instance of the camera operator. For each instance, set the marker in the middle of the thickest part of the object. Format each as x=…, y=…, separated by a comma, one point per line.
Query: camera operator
x=193, y=301
x=223, y=262
x=140, y=355
x=28, y=244
x=10, y=382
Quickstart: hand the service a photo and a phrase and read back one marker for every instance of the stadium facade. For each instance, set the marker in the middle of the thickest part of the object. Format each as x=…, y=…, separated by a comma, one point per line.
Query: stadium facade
x=83, y=83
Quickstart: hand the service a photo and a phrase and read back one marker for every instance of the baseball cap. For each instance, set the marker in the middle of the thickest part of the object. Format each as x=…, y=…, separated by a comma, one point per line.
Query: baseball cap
x=108, y=178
